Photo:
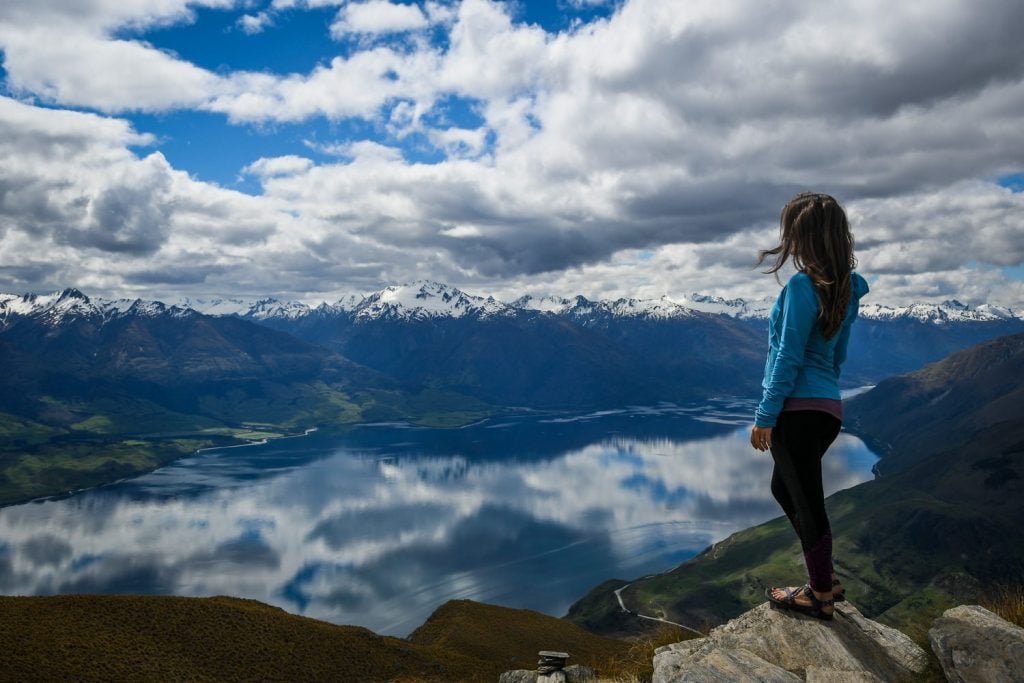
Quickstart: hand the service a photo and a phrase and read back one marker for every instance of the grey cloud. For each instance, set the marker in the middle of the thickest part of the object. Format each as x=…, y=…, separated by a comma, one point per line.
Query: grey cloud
x=125, y=574
x=125, y=219
x=656, y=128
x=349, y=526
x=36, y=205
x=248, y=550
x=28, y=277
x=179, y=274
x=46, y=549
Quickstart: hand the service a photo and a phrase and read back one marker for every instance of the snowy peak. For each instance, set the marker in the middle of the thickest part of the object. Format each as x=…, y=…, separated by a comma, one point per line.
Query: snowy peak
x=948, y=311
x=259, y=309
x=662, y=308
x=545, y=304
x=346, y=303
x=736, y=308
x=217, y=306
x=58, y=307
x=423, y=300
x=273, y=308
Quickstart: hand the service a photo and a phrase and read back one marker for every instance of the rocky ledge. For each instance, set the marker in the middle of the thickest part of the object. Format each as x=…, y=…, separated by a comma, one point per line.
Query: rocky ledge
x=765, y=644
x=768, y=645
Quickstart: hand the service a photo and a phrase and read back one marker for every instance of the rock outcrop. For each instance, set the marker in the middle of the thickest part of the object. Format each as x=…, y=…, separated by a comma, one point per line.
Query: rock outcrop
x=766, y=644
x=571, y=674
x=973, y=644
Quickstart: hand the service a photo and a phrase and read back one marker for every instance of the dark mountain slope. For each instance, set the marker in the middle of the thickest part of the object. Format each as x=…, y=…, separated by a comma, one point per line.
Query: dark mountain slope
x=940, y=529
x=89, y=395
x=959, y=398
x=578, y=353
x=528, y=358
x=881, y=348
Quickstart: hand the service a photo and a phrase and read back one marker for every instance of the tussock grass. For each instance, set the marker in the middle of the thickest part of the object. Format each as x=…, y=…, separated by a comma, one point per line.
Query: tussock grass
x=1008, y=602
x=509, y=638
x=636, y=663
x=167, y=638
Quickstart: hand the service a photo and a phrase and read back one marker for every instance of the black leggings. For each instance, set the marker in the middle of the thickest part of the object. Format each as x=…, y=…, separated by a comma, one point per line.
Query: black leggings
x=799, y=440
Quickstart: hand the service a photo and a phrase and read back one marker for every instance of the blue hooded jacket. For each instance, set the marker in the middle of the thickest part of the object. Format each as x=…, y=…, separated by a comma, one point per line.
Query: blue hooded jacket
x=801, y=362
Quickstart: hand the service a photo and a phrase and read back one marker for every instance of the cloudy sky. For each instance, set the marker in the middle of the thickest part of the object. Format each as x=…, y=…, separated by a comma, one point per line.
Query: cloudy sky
x=310, y=148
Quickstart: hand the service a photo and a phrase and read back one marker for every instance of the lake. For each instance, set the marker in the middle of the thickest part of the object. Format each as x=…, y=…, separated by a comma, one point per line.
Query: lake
x=379, y=525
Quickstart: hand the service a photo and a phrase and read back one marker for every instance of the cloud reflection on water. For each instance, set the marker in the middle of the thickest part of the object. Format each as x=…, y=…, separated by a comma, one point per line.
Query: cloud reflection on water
x=387, y=526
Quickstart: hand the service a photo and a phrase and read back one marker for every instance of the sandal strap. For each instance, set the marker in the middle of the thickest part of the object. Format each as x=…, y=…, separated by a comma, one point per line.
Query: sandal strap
x=818, y=603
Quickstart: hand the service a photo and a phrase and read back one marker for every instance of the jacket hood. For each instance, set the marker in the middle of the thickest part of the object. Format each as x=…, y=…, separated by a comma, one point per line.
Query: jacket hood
x=858, y=285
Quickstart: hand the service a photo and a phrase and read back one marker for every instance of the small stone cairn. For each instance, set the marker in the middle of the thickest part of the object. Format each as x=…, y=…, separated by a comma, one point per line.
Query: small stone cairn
x=551, y=668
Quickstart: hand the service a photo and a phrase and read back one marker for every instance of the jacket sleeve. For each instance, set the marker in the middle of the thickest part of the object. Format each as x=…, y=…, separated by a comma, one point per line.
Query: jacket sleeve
x=799, y=313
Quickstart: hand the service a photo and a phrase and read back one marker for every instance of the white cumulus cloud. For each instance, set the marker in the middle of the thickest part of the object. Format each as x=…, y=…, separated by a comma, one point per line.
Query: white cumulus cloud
x=378, y=16
x=676, y=130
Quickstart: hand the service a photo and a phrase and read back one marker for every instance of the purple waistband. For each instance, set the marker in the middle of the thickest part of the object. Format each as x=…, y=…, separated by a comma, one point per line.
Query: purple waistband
x=832, y=406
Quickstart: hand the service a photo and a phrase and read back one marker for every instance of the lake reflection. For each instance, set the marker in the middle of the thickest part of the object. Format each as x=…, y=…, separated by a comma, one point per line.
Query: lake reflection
x=380, y=525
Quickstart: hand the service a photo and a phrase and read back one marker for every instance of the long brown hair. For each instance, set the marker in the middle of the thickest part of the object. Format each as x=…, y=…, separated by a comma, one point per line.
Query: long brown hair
x=813, y=230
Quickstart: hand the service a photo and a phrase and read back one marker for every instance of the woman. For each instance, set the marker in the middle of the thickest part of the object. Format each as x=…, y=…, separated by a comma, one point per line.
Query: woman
x=801, y=411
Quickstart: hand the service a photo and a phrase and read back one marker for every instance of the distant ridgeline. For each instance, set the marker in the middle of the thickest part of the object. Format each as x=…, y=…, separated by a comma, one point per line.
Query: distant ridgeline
x=940, y=527
x=571, y=353
x=94, y=390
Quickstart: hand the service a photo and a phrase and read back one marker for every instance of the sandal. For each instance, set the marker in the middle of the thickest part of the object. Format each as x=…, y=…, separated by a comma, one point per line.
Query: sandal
x=790, y=603
x=840, y=596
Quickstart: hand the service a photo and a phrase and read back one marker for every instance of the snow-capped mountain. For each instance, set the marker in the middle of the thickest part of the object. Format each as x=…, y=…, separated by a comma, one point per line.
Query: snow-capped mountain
x=735, y=308
x=580, y=307
x=946, y=312
x=57, y=307
x=258, y=309
x=546, y=304
x=423, y=300
x=426, y=300
x=950, y=311
x=533, y=351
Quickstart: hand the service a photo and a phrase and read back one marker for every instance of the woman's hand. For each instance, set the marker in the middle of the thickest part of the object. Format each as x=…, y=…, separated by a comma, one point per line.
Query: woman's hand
x=761, y=438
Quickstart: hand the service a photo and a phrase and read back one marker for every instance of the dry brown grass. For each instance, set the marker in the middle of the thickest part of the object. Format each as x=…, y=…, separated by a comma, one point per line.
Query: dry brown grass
x=1007, y=602
x=127, y=637
x=508, y=638
x=636, y=663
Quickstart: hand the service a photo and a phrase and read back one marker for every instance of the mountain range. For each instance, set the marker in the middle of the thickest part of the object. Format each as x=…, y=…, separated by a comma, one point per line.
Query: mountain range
x=428, y=299
x=96, y=390
x=552, y=352
x=626, y=350
x=127, y=384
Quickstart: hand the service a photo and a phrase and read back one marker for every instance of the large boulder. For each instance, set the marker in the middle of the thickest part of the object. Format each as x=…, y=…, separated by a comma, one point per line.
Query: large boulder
x=973, y=644
x=767, y=644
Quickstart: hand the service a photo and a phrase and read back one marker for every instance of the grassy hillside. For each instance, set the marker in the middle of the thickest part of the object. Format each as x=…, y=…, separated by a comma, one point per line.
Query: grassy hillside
x=942, y=529
x=511, y=638
x=104, y=638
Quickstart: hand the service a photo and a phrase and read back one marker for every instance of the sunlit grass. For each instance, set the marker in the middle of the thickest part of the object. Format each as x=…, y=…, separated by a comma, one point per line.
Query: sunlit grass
x=1008, y=602
x=636, y=664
